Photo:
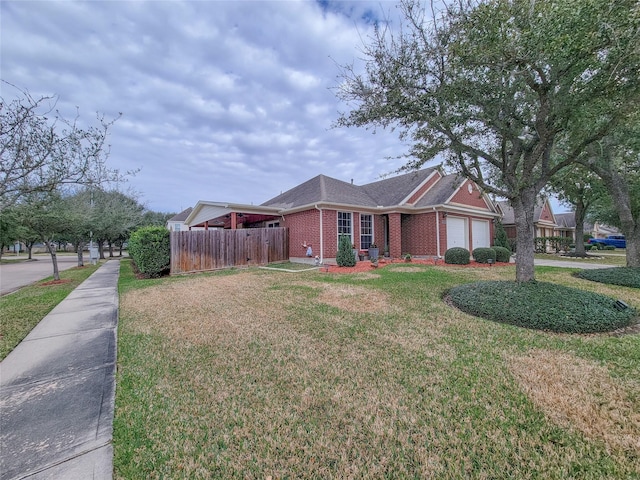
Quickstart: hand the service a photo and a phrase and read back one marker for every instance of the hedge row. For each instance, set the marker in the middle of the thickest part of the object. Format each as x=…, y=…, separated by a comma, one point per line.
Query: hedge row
x=461, y=256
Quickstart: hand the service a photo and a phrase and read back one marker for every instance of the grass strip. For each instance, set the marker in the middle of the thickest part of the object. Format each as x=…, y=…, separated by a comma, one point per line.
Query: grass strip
x=23, y=309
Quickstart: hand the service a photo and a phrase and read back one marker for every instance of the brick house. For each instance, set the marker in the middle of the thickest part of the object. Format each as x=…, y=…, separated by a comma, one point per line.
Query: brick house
x=544, y=221
x=423, y=213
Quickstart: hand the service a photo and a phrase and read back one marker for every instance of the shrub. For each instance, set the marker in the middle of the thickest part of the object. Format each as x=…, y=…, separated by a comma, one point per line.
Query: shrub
x=541, y=306
x=609, y=247
x=457, y=256
x=625, y=276
x=345, y=256
x=502, y=254
x=150, y=250
x=501, y=239
x=482, y=255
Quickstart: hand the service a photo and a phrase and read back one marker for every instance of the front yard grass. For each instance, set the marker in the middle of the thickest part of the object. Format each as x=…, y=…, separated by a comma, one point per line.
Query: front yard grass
x=601, y=257
x=263, y=374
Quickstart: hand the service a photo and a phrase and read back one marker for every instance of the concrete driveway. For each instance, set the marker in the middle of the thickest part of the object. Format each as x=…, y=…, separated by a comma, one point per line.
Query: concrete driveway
x=16, y=275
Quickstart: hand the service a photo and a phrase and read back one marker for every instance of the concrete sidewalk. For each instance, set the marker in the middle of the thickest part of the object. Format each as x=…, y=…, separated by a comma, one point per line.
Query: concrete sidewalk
x=57, y=388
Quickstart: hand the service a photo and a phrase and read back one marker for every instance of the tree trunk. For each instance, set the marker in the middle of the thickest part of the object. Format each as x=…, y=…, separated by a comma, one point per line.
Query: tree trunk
x=633, y=247
x=110, y=249
x=30, y=250
x=523, y=208
x=581, y=212
x=630, y=226
x=54, y=260
x=79, y=248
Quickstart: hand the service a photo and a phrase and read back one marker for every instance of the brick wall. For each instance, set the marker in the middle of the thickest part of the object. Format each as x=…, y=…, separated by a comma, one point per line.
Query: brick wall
x=419, y=234
x=304, y=227
x=474, y=198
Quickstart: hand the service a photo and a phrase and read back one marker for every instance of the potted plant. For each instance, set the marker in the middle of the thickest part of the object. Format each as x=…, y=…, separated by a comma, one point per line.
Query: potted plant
x=407, y=257
x=374, y=251
x=374, y=262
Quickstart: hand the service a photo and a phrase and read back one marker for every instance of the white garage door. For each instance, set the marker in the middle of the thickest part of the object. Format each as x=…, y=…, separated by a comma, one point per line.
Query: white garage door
x=480, y=233
x=457, y=232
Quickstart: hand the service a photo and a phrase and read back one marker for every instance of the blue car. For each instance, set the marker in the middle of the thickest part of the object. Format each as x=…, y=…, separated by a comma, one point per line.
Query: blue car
x=617, y=241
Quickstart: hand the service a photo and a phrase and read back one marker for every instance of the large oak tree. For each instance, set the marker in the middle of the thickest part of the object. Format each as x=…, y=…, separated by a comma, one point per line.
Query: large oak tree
x=493, y=86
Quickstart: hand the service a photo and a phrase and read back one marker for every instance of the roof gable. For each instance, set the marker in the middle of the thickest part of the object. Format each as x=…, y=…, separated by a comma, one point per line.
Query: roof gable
x=397, y=190
x=541, y=212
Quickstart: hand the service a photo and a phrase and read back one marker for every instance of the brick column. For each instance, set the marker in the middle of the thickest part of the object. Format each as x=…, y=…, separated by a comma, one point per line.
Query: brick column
x=395, y=235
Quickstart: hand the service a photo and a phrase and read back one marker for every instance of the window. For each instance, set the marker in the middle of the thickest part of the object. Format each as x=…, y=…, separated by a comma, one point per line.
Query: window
x=344, y=225
x=366, y=231
x=273, y=224
x=176, y=227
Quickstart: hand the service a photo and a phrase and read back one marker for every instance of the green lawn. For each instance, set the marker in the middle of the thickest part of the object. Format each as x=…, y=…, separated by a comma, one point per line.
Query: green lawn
x=23, y=309
x=600, y=257
x=267, y=374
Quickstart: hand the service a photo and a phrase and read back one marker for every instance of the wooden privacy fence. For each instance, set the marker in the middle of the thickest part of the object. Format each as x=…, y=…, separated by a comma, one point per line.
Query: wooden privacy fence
x=201, y=250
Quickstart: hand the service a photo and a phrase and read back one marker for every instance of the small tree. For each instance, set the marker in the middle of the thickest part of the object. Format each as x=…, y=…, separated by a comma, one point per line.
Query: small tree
x=40, y=151
x=345, y=257
x=501, y=239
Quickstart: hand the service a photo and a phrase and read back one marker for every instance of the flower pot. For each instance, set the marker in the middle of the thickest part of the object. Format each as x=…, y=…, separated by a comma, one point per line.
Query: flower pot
x=374, y=252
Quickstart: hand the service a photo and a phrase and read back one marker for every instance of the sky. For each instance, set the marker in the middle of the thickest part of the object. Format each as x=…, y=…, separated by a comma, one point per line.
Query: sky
x=230, y=101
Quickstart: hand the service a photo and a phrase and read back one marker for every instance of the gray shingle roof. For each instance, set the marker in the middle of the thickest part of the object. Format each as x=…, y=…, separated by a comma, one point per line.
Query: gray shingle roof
x=441, y=191
x=566, y=220
x=508, y=217
x=322, y=189
x=392, y=191
x=182, y=216
x=389, y=192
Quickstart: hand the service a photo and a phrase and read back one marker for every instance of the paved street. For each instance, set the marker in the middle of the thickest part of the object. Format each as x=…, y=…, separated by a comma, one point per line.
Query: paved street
x=21, y=273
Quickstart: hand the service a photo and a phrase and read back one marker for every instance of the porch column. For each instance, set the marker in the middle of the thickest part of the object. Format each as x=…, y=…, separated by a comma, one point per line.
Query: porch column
x=206, y=225
x=234, y=221
x=395, y=235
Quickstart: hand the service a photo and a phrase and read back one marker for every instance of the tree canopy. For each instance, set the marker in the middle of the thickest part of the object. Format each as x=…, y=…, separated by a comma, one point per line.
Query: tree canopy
x=40, y=150
x=494, y=86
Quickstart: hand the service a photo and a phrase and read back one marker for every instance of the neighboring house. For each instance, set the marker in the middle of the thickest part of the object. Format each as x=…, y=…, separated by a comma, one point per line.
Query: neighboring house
x=423, y=213
x=176, y=223
x=548, y=224
x=544, y=221
x=566, y=225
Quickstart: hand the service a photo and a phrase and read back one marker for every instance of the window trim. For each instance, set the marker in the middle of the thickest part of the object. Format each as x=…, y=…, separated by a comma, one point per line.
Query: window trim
x=338, y=219
x=371, y=228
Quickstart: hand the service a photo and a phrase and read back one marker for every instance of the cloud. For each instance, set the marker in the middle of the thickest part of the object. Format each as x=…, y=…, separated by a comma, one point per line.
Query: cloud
x=226, y=101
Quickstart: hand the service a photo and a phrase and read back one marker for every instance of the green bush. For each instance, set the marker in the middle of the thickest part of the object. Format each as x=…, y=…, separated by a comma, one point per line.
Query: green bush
x=541, y=306
x=482, y=255
x=150, y=250
x=609, y=247
x=625, y=276
x=345, y=256
x=457, y=256
x=557, y=244
x=502, y=254
x=501, y=239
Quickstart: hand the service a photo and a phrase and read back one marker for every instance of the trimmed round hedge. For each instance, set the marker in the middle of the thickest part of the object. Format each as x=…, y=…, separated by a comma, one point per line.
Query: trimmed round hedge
x=502, y=254
x=457, y=256
x=482, y=254
x=624, y=276
x=541, y=306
